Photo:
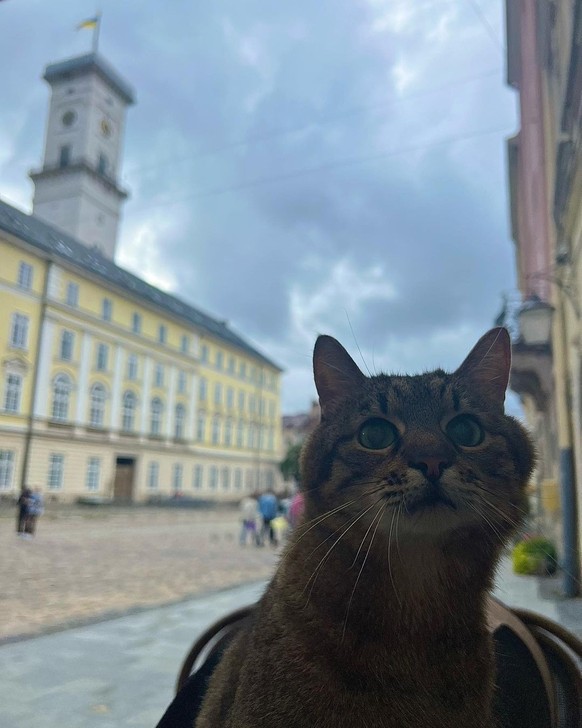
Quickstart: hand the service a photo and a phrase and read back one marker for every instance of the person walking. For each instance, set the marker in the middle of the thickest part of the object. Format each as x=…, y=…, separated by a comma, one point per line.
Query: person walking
x=249, y=510
x=23, y=506
x=35, y=509
x=268, y=507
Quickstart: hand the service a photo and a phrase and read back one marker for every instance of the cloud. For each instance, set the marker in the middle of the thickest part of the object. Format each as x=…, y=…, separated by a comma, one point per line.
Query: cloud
x=292, y=165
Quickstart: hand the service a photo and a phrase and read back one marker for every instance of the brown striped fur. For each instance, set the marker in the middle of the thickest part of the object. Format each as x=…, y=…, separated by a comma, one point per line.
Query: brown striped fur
x=375, y=616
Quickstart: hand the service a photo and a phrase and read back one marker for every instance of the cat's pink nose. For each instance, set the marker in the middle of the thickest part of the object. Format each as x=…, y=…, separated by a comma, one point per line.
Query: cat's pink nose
x=431, y=467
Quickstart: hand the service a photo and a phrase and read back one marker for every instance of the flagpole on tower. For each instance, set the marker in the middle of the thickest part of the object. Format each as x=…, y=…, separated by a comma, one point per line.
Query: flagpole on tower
x=96, y=30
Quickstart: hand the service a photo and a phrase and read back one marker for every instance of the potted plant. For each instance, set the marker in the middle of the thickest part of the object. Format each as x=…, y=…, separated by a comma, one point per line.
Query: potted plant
x=535, y=555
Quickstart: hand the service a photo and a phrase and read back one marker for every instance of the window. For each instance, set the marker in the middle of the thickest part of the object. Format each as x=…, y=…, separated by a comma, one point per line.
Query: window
x=12, y=393
x=271, y=440
x=19, y=331
x=177, y=476
x=153, y=475
x=97, y=405
x=156, y=416
x=65, y=155
x=228, y=432
x=6, y=469
x=213, y=479
x=215, y=430
x=67, y=342
x=250, y=480
x=197, y=477
x=136, y=323
x=225, y=478
x=128, y=411
x=93, y=473
x=251, y=436
x=159, y=376
x=132, y=367
x=181, y=382
x=25, y=275
x=272, y=409
x=185, y=344
x=106, y=309
x=240, y=433
x=242, y=370
x=252, y=404
x=218, y=394
x=162, y=334
x=55, y=471
x=102, y=355
x=231, y=365
x=201, y=427
x=238, y=479
x=204, y=353
x=219, y=360
x=102, y=164
x=61, y=396
x=241, y=401
x=230, y=398
x=72, y=296
x=202, y=389
x=179, y=422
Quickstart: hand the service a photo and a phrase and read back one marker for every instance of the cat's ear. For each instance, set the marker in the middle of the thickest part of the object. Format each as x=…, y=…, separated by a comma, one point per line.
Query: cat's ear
x=336, y=373
x=488, y=363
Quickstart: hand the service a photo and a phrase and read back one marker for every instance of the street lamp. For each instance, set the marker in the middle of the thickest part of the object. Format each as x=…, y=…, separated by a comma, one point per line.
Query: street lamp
x=535, y=322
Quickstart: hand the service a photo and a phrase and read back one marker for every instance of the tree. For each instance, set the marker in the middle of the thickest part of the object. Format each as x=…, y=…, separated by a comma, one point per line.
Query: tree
x=290, y=465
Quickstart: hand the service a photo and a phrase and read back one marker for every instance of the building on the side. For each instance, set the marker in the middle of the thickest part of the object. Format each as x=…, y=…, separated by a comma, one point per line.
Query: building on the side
x=297, y=427
x=110, y=387
x=544, y=65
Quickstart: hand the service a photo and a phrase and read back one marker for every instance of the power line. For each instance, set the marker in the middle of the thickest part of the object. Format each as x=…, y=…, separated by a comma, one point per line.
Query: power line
x=321, y=168
x=274, y=133
x=487, y=25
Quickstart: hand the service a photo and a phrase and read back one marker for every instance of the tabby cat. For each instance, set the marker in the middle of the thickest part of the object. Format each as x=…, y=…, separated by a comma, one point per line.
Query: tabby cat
x=375, y=616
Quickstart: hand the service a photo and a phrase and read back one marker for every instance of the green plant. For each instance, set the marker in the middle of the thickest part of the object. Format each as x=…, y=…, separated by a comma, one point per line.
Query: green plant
x=535, y=555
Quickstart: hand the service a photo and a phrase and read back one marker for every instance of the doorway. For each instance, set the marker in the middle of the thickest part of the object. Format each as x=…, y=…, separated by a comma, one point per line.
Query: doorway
x=124, y=479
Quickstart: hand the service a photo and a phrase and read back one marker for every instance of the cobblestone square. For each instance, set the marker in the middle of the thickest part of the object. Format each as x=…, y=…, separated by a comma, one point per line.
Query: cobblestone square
x=86, y=564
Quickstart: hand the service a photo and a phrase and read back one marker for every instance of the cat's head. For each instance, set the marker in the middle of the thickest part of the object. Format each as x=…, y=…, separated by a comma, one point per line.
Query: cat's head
x=434, y=451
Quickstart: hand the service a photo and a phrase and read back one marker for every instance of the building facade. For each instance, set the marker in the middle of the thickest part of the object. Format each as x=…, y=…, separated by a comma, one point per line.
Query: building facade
x=544, y=63
x=110, y=387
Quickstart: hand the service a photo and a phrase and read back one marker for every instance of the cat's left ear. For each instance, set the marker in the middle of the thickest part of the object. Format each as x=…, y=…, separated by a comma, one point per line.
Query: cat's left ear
x=488, y=363
x=336, y=373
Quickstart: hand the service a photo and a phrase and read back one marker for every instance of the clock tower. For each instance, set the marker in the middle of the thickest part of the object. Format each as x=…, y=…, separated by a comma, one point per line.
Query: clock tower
x=77, y=189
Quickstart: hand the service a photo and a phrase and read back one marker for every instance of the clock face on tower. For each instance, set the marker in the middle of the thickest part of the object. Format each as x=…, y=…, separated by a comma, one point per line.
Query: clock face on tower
x=106, y=128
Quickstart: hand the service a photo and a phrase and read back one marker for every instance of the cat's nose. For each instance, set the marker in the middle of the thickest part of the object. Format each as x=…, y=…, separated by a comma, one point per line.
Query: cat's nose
x=431, y=467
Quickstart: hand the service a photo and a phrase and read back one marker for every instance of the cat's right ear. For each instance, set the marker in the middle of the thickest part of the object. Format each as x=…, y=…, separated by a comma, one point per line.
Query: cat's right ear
x=335, y=372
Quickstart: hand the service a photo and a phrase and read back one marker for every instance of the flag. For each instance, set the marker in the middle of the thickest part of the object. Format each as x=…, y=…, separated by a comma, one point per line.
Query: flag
x=90, y=23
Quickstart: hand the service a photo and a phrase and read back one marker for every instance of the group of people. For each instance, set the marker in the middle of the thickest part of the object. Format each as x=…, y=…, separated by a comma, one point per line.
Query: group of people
x=30, y=506
x=265, y=517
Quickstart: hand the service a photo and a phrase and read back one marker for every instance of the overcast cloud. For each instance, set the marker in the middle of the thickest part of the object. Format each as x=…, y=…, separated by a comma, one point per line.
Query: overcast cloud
x=298, y=168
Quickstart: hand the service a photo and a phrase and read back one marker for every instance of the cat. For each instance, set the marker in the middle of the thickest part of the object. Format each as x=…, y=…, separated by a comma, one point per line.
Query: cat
x=375, y=617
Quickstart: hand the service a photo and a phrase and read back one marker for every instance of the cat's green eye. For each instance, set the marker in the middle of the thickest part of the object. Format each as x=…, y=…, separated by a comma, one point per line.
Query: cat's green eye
x=464, y=430
x=376, y=434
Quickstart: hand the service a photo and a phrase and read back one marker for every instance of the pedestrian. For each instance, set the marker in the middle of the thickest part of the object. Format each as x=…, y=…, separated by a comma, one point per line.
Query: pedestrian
x=23, y=505
x=249, y=510
x=269, y=508
x=296, y=509
x=35, y=509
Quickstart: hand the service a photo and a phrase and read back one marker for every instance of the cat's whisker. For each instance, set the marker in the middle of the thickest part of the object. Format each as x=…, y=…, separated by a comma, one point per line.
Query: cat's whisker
x=390, y=559
x=379, y=517
x=487, y=521
x=524, y=511
x=318, y=568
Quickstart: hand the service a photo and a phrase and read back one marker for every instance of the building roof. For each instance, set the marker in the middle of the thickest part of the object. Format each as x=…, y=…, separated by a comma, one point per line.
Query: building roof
x=90, y=62
x=59, y=245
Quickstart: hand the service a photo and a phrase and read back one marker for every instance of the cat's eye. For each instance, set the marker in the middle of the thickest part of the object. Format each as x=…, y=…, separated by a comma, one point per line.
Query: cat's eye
x=464, y=430
x=376, y=434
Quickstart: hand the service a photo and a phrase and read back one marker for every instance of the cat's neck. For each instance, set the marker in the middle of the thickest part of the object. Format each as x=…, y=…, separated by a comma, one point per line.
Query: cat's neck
x=415, y=585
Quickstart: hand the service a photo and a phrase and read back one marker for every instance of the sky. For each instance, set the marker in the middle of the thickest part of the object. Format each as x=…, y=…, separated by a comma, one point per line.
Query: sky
x=298, y=168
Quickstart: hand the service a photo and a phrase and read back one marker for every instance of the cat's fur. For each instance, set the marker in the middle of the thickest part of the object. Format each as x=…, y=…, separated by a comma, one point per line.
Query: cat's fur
x=375, y=616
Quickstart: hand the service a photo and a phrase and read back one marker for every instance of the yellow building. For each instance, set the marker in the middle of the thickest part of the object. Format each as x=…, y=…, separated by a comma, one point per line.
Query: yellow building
x=111, y=387
x=544, y=65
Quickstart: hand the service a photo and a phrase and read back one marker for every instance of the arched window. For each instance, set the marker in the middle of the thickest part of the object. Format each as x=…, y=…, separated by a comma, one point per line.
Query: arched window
x=240, y=433
x=61, y=396
x=156, y=416
x=228, y=432
x=215, y=430
x=201, y=427
x=97, y=405
x=128, y=412
x=179, y=422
